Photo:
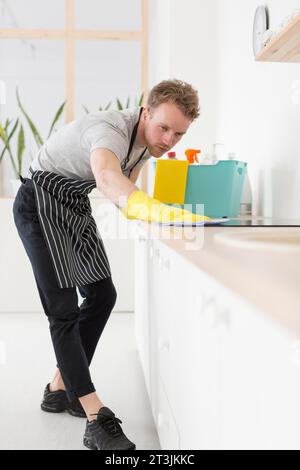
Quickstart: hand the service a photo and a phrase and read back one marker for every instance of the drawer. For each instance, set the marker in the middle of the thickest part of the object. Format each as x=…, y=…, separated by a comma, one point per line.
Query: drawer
x=166, y=425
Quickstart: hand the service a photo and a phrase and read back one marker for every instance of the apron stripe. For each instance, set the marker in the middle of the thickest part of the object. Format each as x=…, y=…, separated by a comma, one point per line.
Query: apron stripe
x=70, y=231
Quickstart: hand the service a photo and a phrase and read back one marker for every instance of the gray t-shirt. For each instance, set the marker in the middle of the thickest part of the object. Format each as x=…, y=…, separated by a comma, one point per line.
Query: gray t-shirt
x=67, y=152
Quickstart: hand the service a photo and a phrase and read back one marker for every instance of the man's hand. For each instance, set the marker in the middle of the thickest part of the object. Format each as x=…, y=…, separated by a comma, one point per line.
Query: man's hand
x=143, y=207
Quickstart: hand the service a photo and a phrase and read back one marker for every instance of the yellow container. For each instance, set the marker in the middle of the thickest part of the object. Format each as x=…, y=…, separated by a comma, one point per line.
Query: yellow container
x=170, y=181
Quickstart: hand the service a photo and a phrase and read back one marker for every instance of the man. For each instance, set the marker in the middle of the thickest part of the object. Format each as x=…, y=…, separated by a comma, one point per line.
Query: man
x=53, y=216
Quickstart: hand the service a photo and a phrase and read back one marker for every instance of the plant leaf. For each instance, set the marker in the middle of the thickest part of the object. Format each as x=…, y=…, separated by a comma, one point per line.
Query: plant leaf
x=56, y=117
x=107, y=106
x=141, y=99
x=128, y=102
x=119, y=104
x=86, y=110
x=20, y=149
x=3, y=135
x=7, y=123
x=6, y=138
x=2, y=154
x=34, y=130
x=13, y=130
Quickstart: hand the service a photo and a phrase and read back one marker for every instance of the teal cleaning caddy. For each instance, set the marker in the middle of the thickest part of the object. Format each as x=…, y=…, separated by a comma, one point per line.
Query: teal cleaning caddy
x=219, y=187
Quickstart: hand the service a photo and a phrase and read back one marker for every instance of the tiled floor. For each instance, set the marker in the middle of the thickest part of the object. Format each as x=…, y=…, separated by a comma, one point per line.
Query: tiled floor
x=26, y=365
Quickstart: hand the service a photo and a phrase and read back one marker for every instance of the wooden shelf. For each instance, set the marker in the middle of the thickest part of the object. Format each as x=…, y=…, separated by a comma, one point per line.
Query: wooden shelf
x=285, y=46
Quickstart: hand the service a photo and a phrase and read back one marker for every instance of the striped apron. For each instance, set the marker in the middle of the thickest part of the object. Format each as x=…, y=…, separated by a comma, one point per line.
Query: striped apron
x=69, y=230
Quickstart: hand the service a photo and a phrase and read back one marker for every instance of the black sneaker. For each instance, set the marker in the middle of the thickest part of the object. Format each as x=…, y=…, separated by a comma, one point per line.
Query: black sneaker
x=57, y=402
x=105, y=433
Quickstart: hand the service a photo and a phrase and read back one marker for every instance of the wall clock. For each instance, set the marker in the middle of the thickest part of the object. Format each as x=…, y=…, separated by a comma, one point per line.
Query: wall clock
x=260, y=25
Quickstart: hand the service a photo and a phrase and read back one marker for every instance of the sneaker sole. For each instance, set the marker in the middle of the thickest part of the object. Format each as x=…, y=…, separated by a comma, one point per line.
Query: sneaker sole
x=53, y=409
x=77, y=414
x=90, y=445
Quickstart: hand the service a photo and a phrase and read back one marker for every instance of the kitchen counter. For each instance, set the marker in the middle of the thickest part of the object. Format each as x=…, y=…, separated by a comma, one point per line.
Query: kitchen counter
x=267, y=279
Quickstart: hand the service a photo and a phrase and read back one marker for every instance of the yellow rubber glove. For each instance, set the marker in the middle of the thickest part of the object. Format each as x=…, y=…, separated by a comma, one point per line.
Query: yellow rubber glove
x=143, y=207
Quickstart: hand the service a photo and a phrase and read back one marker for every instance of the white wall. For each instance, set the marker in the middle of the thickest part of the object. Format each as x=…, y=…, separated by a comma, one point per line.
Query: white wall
x=253, y=108
x=183, y=44
x=257, y=116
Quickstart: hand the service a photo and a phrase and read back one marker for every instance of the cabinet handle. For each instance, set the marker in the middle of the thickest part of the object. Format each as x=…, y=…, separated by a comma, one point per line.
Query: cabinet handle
x=223, y=317
x=163, y=343
x=141, y=238
x=167, y=264
x=199, y=301
x=161, y=421
x=207, y=301
x=160, y=263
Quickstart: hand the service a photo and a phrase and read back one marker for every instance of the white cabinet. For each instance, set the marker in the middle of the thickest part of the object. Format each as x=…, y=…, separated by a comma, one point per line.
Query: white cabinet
x=260, y=378
x=184, y=358
x=192, y=372
x=141, y=304
x=226, y=374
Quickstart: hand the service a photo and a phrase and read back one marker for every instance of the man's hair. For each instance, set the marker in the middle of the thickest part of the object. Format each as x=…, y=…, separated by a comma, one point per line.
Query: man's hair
x=182, y=94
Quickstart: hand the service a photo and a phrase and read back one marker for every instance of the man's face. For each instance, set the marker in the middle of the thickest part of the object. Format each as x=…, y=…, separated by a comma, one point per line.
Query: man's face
x=164, y=127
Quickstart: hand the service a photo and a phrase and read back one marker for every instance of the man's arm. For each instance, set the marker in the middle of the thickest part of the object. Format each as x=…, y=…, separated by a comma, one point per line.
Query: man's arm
x=109, y=178
x=135, y=204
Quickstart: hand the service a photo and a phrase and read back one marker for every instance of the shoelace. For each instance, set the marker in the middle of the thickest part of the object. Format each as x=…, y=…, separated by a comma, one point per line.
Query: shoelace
x=110, y=424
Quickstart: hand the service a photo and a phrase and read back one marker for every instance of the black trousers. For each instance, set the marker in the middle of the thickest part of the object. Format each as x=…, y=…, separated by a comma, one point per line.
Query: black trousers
x=75, y=331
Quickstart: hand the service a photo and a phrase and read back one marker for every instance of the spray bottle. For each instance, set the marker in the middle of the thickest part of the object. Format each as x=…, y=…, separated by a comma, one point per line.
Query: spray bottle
x=191, y=155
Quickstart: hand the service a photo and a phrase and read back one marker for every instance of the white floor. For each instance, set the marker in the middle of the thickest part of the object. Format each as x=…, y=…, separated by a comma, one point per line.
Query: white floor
x=26, y=365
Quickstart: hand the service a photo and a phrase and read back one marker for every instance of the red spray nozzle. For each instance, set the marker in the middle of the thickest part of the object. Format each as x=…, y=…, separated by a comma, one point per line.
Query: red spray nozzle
x=191, y=155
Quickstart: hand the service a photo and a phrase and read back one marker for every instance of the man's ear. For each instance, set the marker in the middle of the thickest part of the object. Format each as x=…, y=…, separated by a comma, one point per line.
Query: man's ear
x=147, y=112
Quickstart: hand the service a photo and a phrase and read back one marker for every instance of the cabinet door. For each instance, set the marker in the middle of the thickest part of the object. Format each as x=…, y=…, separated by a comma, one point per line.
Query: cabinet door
x=188, y=356
x=164, y=298
x=260, y=381
x=153, y=308
x=198, y=358
x=141, y=310
x=167, y=429
x=155, y=300
x=240, y=370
